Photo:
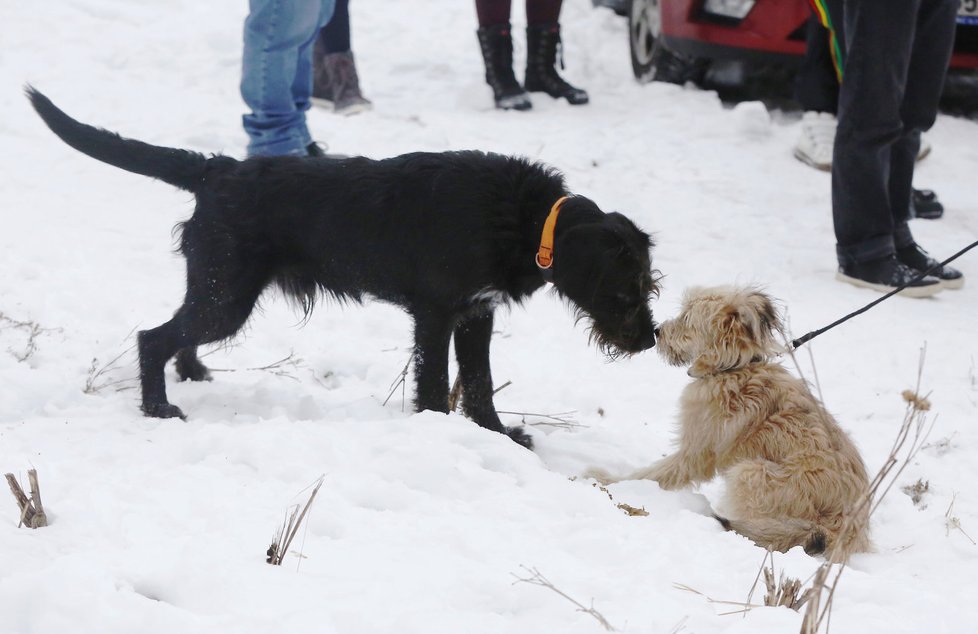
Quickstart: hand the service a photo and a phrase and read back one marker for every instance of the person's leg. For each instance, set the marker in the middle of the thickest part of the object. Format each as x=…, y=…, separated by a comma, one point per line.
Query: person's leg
x=929, y=59
x=879, y=41
x=335, y=36
x=496, y=44
x=542, y=43
x=879, y=38
x=543, y=11
x=817, y=82
x=336, y=83
x=493, y=12
x=277, y=74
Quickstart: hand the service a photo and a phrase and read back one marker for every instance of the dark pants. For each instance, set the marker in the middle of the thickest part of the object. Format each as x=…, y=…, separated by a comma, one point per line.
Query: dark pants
x=335, y=36
x=897, y=53
x=817, y=82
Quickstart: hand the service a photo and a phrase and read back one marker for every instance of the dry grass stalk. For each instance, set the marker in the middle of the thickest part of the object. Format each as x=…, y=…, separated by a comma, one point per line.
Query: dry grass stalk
x=952, y=522
x=538, y=579
x=913, y=429
x=400, y=382
x=97, y=379
x=283, y=367
x=283, y=539
x=34, y=330
x=786, y=592
x=559, y=420
x=31, y=509
x=744, y=605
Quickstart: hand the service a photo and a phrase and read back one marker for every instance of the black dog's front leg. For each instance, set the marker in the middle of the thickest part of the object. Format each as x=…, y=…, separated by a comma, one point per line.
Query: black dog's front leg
x=432, y=332
x=472, y=338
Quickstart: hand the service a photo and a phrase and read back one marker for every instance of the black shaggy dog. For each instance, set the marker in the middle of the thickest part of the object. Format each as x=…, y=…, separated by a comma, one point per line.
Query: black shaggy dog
x=447, y=236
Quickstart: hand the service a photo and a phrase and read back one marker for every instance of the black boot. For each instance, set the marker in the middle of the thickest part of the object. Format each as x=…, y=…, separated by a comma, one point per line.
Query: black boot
x=497, y=51
x=542, y=42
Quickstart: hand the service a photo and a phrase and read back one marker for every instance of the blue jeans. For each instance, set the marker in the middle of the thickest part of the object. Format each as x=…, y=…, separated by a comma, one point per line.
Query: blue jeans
x=276, y=72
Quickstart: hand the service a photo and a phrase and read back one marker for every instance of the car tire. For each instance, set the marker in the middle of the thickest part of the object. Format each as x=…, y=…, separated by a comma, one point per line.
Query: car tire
x=651, y=61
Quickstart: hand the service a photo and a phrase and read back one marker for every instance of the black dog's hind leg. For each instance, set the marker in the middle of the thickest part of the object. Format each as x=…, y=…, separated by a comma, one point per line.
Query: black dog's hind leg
x=432, y=332
x=220, y=297
x=189, y=367
x=472, y=338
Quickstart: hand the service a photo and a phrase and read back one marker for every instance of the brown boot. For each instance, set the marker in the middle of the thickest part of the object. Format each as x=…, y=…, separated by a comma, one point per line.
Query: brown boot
x=335, y=84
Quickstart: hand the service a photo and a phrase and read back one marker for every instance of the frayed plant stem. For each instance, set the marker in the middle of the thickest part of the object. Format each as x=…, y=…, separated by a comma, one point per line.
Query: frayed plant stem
x=538, y=579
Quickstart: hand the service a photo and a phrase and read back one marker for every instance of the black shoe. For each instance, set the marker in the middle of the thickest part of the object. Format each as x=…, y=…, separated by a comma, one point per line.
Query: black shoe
x=496, y=43
x=318, y=150
x=542, y=42
x=887, y=274
x=919, y=260
x=924, y=204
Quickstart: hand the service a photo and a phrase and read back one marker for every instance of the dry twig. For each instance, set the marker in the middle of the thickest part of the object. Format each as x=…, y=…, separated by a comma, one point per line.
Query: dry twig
x=400, y=382
x=283, y=539
x=97, y=379
x=538, y=579
x=913, y=429
x=283, y=367
x=34, y=330
x=560, y=420
x=952, y=522
x=31, y=509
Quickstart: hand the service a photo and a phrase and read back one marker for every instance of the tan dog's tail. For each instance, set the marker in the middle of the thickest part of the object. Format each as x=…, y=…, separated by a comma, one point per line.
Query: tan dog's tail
x=781, y=534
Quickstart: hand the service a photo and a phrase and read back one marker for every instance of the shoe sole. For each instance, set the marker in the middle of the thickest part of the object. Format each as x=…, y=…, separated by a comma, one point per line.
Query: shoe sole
x=353, y=109
x=953, y=285
x=807, y=160
x=910, y=291
x=319, y=102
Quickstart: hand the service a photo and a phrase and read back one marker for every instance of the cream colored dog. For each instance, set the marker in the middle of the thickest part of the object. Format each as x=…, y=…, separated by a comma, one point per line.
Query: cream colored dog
x=793, y=476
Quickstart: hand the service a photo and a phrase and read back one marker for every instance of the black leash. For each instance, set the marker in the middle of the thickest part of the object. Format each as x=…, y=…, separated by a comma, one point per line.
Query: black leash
x=806, y=338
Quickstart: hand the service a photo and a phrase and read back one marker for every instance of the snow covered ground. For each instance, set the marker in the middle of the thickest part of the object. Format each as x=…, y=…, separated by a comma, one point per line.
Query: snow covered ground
x=161, y=526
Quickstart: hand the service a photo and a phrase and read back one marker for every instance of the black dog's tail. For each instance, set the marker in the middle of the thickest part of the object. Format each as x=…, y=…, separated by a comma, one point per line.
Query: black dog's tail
x=181, y=168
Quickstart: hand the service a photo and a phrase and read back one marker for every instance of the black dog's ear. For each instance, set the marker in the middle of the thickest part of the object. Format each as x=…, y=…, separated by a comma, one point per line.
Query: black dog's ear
x=628, y=230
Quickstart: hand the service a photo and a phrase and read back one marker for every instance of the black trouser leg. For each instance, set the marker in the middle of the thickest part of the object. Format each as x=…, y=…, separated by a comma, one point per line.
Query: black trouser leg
x=817, y=82
x=897, y=56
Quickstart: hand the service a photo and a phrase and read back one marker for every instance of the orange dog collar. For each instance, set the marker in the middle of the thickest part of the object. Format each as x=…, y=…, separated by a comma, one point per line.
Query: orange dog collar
x=545, y=254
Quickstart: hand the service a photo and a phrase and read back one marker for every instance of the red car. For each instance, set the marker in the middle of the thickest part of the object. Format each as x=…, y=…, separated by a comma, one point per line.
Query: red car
x=673, y=40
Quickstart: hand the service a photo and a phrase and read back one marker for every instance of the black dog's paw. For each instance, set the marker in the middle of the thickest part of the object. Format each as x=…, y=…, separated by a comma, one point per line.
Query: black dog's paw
x=192, y=372
x=520, y=437
x=189, y=368
x=163, y=410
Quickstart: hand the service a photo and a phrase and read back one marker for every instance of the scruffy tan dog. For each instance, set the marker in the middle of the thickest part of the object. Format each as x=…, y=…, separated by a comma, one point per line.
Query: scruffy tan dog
x=793, y=476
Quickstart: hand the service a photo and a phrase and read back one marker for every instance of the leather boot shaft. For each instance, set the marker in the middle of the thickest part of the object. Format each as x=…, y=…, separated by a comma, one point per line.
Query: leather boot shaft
x=543, y=49
x=496, y=43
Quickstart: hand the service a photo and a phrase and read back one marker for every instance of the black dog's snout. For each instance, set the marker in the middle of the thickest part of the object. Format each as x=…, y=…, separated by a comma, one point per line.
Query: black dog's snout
x=648, y=341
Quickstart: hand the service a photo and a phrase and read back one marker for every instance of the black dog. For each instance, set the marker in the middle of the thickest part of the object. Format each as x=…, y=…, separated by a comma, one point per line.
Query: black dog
x=447, y=236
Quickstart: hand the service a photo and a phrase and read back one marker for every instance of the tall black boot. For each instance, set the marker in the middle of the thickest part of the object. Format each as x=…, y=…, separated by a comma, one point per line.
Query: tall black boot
x=497, y=51
x=542, y=42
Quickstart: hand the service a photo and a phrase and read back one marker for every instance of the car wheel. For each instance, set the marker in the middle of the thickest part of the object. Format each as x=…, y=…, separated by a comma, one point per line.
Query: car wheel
x=650, y=59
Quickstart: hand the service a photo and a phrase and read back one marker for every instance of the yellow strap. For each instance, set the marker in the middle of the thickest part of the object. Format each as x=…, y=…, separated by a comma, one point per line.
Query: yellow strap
x=545, y=255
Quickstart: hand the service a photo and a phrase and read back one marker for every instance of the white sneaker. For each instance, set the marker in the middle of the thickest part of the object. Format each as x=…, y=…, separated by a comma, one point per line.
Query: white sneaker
x=817, y=140
x=925, y=148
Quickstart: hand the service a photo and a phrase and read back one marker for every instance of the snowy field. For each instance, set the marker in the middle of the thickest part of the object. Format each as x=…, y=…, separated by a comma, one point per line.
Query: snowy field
x=424, y=519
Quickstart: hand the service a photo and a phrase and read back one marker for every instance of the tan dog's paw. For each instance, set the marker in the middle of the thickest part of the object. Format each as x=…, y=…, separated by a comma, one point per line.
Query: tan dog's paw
x=602, y=476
